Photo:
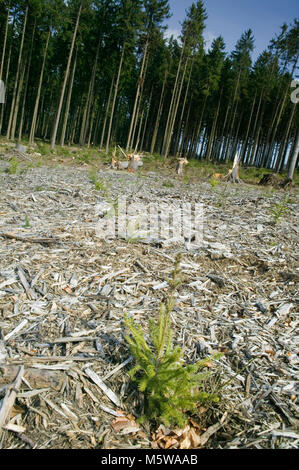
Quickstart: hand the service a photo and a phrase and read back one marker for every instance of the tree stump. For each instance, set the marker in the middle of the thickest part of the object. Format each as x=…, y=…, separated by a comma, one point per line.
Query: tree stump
x=180, y=166
x=233, y=174
x=21, y=148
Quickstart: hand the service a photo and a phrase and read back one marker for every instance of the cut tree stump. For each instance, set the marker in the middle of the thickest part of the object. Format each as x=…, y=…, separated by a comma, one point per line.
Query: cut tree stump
x=180, y=166
x=233, y=174
x=21, y=148
x=270, y=179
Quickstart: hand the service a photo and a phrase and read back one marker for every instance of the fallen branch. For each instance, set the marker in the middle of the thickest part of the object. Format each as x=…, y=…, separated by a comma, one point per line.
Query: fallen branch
x=36, y=377
x=108, y=392
x=212, y=430
x=9, y=399
x=45, y=240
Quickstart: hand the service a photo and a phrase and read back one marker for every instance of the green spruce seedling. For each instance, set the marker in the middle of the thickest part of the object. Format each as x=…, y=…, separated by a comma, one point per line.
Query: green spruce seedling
x=13, y=166
x=214, y=183
x=27, y=223
x=170, y=388
x=99, y=184
x=279, y=210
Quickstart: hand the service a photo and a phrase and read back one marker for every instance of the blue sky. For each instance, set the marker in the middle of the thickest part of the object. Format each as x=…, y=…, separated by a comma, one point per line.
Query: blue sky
x=230, y=18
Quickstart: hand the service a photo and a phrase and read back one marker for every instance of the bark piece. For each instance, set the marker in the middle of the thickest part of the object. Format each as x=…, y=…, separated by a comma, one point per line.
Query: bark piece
x=36, y=377
x=9, y=399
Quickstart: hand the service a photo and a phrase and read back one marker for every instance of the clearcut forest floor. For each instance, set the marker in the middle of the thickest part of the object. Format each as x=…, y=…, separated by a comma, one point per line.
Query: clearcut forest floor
x=62, y=304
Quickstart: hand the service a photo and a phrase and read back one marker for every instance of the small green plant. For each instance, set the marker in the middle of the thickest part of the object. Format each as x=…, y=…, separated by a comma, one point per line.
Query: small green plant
x=84, y=158
x=186, y=179
x=170, y=388
x=99, y=185
x=27, y=223
x=92, y=175
x=64, y=151
x=43, y=149
x=222, y=198
x=214, y=183
x=168, y=184
x=13, y=166
x=279, y=210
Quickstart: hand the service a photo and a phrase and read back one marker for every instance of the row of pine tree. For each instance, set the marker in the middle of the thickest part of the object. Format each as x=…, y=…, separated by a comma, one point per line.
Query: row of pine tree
x=103, y=72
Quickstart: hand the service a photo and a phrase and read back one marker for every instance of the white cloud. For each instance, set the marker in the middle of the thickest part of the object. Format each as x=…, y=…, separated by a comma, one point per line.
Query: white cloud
x=209, y=38
x=172, y=32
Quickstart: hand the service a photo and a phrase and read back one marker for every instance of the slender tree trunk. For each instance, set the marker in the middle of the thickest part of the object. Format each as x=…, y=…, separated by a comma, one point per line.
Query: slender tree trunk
x=139, y=131
x=230, y=135
x=114, y=98
x=137, y=113
x=181, y=149
x=255, y=145
x=96, y=129
x=91, y=126
x=157, y=123
x=183, y=109
x=68, y=101
x=247, y=131
x=294, y=158
x=2, y=63
x=253, y=134
x=235, y=144
x=4, y=43
x=91, y=94
x=281, y=156
x=146, y=120
x=37, y=100
x=7, y=75
x=198, y=131
x=8, y=133
x=174, y=115
x=172, y=102
x=234, y=108
x=54, y=135
x=269, y=157
x=26, y=84
x=106, y=113
x=211, y=140
x=17, y=103
x=139, y=86
x=72, y=131
x=202, y=149
x=86, y=112
x=40, y=122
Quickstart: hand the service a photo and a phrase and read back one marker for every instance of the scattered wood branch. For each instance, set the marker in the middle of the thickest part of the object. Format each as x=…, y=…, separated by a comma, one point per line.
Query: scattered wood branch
x=96, y=379
x=36, y=377
x=30, y=293
x=42, y=240
x=212, y=430
x=9, y=399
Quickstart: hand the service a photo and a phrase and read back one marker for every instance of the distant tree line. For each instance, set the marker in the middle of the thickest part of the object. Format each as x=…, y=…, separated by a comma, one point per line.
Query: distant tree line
x=102, y=72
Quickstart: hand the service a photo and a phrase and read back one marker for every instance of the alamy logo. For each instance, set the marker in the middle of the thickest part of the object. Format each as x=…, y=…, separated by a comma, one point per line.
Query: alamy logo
x=295, y=93
x=133, y=221
x=2, y=91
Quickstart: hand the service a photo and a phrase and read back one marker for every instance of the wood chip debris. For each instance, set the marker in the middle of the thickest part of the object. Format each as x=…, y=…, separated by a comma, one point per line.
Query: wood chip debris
x=64, y=291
